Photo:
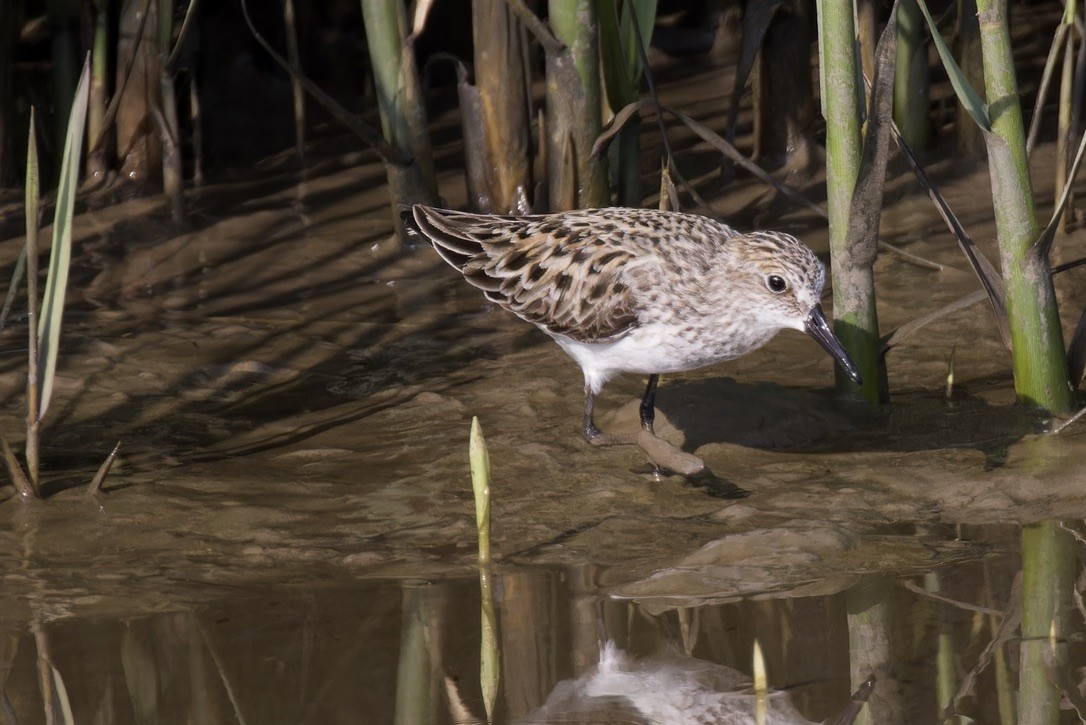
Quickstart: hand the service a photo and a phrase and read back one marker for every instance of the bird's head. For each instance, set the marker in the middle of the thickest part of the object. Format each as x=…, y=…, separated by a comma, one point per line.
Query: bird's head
x=783, y=281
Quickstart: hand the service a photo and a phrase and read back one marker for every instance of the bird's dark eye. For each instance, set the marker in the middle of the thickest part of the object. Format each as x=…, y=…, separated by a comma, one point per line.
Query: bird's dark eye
x=776, y=283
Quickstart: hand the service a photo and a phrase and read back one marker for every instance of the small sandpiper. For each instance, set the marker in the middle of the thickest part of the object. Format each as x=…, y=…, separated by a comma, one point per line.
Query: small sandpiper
x=637, y=290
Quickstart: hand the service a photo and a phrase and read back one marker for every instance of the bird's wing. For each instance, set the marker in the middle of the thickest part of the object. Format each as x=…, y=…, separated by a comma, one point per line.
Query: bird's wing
x=564, y=277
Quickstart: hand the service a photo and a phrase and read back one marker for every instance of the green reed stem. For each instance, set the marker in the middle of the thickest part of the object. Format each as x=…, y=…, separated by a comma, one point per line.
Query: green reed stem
x=1040, y=363
x=401, y=107
x=911, y=76
x=575, y=177
x=854, y=312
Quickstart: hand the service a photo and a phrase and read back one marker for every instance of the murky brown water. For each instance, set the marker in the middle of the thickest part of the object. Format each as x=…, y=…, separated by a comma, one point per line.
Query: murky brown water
x=289, y=534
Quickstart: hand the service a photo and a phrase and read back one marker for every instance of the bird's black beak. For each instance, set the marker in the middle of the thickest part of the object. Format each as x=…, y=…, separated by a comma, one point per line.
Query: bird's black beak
x=818, y=328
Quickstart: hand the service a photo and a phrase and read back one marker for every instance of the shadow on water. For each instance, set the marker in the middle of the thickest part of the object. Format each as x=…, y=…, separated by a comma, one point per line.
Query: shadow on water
x=409, y=651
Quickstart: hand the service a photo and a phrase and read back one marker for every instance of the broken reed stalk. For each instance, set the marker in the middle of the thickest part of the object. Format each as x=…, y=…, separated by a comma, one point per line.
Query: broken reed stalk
x=503, y=102
x=575, y=178
x=855, y=318
x=489, y=649
x=400, y=104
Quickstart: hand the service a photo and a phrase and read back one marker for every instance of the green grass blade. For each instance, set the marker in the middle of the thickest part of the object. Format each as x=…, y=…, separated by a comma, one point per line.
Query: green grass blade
x=968, y=96
x=60, y=255
x=618, y=47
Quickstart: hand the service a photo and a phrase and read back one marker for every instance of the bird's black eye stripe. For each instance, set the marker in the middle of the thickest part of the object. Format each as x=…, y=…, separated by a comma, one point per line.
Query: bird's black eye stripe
x=776, y=283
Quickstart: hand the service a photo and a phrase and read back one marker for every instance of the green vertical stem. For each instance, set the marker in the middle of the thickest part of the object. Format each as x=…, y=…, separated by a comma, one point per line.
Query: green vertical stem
x=622, y=27
x=855, y=317
x=1048, y=569
x=400, y=103
x=911, y=76
x=1040, y=363
x=1064, y=131
x=573, y=108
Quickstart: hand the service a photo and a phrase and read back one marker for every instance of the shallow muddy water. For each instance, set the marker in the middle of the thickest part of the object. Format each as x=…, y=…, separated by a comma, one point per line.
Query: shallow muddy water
x=289, y=533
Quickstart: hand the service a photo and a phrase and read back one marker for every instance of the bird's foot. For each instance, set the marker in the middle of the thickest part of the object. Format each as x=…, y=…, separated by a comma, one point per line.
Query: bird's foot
x=600, y=440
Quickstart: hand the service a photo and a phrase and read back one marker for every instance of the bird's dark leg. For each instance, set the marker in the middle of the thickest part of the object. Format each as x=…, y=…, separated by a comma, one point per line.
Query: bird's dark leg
x=591, y=432
x=648, y=404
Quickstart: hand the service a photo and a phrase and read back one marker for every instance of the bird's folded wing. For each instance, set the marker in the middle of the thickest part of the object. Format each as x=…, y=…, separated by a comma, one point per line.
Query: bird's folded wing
x=568, y=281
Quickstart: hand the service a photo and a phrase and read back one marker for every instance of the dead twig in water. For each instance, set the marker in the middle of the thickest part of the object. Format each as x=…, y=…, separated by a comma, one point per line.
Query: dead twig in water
x=917, y=589
x=1073, y=419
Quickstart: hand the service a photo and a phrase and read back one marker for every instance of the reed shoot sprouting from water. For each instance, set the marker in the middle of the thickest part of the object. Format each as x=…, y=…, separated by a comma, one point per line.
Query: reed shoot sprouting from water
x=44, y=333
x=489, y=647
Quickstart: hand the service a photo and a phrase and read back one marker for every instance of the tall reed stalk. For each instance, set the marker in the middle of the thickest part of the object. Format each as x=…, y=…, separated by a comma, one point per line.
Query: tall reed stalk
x=1040, y=363
x=620, y=33
x=399, y=100
x=574, y=176
x=1064, y=131
x=503, y=100
x=855, y=317
x=911, y=76
x=1040, y=366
